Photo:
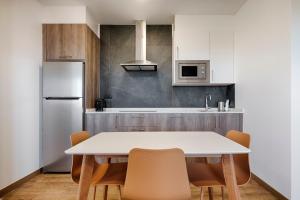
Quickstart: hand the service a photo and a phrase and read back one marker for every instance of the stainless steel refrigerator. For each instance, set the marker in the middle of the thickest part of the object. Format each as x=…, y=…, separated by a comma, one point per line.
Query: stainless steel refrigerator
x=63, y=111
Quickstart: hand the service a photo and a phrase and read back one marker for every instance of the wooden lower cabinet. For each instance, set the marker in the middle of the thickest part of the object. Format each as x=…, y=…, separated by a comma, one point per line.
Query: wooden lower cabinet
x=96, y=123
x=218, y=122
x=206, y=122
x=138, y=128
x=137, y=120
x=178, y=122
x=229, y=121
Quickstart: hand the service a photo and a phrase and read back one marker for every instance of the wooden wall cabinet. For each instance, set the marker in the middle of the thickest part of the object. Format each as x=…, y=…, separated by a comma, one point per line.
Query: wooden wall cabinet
x=75, y=42
x=65, y=41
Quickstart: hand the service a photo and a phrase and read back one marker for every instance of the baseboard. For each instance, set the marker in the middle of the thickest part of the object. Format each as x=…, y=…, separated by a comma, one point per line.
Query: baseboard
x=16, y=184
x=268, y=187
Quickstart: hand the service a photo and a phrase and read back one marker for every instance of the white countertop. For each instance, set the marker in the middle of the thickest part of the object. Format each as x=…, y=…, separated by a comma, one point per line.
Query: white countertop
x=163, y=110
x=198, y=143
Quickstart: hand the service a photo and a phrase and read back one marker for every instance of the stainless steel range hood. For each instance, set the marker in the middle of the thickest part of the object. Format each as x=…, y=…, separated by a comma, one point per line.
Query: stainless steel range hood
x=140, y=63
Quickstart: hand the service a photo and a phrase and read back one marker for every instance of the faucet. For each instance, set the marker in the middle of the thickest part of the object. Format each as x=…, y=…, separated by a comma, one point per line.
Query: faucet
x=207, y=97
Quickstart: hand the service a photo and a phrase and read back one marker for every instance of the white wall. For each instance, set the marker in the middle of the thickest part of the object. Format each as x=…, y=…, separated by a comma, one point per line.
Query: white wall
x=263, y=87
x=20, y=59
x=20, y=67
x=92, y=23
x=69, y=14
x=207, y=22
x=63, y=14
x=295, y=99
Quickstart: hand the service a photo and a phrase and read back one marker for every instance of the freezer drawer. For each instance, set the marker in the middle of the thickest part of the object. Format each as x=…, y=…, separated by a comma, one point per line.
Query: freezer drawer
x=61, y=117
x=63, y=79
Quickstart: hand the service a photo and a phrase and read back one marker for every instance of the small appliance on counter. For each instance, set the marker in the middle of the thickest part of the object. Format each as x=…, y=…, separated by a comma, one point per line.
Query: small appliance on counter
x=100, y=104
x=223, y=106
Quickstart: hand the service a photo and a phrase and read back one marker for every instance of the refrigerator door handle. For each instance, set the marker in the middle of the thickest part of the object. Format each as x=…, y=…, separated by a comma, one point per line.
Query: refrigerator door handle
x=63, y=98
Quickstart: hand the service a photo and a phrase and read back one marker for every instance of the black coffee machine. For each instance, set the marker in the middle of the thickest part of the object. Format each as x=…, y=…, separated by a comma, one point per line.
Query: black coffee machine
x=100, y=104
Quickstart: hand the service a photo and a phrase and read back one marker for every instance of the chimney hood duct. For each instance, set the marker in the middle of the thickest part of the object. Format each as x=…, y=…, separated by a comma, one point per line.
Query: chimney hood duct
x=140, y=63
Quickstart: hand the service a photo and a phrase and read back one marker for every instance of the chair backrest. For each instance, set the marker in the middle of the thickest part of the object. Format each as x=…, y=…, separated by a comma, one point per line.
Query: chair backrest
x=77, y=159
x=156, y=175
x=241, y=161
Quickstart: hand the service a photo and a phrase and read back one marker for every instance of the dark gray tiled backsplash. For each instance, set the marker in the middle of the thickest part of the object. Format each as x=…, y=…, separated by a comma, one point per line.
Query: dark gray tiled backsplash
x=148, y=89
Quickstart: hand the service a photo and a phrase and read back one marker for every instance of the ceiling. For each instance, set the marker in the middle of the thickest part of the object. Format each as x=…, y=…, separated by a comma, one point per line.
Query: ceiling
x=154, y=11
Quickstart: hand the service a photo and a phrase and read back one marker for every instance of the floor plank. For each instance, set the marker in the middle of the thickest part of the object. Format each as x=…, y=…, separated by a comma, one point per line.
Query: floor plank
x=60, y=186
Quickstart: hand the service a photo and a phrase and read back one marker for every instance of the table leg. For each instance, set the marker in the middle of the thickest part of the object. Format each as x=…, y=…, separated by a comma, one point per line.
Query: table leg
x=230, y=178
x=85, y=177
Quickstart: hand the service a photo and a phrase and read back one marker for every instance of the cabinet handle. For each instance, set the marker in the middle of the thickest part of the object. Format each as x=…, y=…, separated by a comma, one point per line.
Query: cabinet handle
x=116, y=122
x=137, y=117
x=176, y=117
x=212, y=75
x=177, y=52
x=65, y=56
x=138, y=129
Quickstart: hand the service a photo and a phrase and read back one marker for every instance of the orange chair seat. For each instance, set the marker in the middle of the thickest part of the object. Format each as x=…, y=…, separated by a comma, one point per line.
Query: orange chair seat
x=202, y=174
x=105, y=173
x=115, y=174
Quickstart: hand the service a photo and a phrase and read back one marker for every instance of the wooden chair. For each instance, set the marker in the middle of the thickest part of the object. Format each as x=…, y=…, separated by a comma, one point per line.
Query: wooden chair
x=211, y=175
x=103, y=174
x=156, y=175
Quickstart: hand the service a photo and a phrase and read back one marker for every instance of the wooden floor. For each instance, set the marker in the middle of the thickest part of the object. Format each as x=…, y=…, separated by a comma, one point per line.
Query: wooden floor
x=60, y=186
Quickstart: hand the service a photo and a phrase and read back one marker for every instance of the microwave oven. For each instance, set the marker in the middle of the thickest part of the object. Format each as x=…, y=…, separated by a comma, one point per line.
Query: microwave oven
x=191, y=72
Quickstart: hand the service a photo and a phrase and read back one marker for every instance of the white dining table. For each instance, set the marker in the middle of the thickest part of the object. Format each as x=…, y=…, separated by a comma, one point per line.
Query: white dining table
x=194, y=144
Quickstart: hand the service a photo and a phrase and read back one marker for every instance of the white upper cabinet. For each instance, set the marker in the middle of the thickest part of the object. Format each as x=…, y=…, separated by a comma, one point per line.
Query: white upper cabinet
x=222, y=57
x=190, y=42
x=206, y=37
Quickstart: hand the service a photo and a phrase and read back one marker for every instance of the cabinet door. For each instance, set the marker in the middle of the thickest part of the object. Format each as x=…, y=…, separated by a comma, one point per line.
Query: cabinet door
x=206, y=122
x=92, y=67
x=229, y=121
x=137, y=120
x=97, y=123
x=53, y=45
x=178, y=122
x=64, y=41
x=138, y=128
x=190, y=41
x=222, y=57
x=73, y=41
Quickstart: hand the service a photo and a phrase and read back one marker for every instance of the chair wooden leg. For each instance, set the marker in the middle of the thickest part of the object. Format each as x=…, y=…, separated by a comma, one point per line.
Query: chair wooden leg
x=95, y=189
x=210, y=193
x=120, y=191
x=105, y=192
x=201, y=193
x=223, y=194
